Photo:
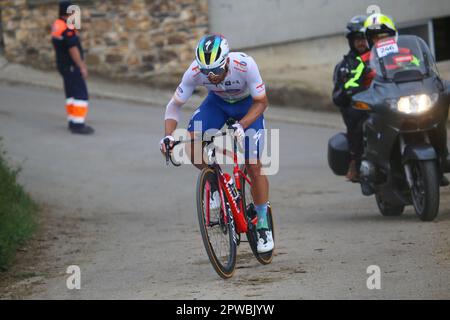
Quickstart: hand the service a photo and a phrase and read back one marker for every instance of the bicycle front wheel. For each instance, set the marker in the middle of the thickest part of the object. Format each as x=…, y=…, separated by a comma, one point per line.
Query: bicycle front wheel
x=218, y=233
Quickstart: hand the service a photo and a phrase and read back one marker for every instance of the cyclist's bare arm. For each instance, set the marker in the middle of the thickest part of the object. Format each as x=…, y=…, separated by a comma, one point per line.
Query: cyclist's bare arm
x=260, y=105
x=172, y=117
x=258, y=92
x=173, y=109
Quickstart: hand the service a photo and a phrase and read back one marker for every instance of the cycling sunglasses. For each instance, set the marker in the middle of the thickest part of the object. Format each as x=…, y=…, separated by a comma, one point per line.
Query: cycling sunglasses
x=215, y=72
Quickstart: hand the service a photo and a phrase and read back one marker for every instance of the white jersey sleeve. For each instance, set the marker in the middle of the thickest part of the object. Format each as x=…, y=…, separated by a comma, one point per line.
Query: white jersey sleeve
x=188, y=84
x=254, y=81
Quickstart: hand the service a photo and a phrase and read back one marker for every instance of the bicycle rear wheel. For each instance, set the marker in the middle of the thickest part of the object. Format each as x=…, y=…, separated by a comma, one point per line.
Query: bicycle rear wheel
x=219, y=237
x=250, y=214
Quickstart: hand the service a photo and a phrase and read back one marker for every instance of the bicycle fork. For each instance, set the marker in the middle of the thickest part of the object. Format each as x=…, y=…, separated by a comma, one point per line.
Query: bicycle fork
x=236, y=214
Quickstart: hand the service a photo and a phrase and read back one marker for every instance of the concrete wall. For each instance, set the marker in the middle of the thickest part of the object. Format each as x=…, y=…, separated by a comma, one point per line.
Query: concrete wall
x=277, y=21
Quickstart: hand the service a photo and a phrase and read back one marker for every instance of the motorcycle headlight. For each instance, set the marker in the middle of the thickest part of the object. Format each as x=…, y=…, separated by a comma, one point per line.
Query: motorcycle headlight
x=416, y=104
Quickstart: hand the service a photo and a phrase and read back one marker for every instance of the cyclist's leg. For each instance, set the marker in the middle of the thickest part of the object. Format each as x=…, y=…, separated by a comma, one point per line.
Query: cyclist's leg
x=260, y=184
x=207, y=117
x=254, y=144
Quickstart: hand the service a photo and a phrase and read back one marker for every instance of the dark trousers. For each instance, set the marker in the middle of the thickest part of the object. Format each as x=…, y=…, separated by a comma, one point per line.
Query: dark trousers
x=77, y=97
x=354, y=120
x=74, y=84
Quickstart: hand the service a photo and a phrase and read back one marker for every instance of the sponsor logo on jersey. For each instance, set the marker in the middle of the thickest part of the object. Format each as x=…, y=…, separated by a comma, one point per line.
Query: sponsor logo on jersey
x=241, y=63
x=260, y=87
x=229, y=83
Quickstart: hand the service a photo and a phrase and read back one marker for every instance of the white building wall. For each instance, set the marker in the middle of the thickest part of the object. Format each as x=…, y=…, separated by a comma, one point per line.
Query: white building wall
x=252, y=23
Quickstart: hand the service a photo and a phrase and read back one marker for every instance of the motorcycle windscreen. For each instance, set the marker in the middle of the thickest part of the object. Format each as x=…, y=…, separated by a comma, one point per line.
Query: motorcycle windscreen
x=402, y=58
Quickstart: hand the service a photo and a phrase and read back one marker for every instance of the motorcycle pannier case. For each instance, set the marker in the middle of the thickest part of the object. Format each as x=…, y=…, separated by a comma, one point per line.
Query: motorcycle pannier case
x=339, y=154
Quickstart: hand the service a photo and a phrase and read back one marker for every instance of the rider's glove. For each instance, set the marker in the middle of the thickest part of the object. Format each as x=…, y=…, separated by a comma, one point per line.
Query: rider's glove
x=162, y=145
x=239, y=131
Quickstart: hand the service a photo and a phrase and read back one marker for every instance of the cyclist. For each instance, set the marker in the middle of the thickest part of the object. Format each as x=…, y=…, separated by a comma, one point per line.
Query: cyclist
x=347, y=82
x=236, y=90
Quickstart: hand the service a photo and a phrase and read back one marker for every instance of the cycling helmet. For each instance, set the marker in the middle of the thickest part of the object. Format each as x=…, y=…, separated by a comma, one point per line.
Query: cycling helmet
x=379, y=24
x=212, y=53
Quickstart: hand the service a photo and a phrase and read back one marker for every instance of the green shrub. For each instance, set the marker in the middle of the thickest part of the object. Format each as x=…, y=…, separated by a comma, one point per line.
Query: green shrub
x=17, y=214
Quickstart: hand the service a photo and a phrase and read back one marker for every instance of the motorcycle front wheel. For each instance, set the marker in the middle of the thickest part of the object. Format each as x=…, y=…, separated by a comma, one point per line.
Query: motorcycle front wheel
x=425, y=191
x=387, y=209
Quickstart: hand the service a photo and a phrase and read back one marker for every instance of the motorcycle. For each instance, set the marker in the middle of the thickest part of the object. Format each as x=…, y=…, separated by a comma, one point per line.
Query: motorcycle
x=405, y=136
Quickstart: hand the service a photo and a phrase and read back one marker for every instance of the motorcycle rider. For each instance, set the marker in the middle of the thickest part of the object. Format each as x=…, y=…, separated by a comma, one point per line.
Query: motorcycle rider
x=380, y=27
x=349, y=79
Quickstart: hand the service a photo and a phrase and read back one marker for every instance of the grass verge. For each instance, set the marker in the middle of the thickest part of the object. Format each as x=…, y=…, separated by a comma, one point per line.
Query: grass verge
x=17, y=214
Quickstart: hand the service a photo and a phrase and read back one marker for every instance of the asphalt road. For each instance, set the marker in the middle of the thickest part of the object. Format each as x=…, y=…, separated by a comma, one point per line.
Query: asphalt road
x=112, y=207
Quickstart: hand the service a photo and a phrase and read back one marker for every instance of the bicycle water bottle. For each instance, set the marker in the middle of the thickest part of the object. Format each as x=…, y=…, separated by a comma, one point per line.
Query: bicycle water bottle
x=231, y=186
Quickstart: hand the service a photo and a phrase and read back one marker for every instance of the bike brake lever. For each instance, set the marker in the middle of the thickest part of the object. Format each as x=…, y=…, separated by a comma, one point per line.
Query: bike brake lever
x=230, y=122
x=167, y=144
x=169, y=158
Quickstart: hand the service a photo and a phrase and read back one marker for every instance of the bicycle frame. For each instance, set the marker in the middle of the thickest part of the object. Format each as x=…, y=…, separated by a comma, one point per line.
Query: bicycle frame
x=233, y=216
x=237, y=209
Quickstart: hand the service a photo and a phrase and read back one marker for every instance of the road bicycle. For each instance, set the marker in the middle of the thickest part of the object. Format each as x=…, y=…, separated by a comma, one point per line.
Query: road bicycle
x=221, y=227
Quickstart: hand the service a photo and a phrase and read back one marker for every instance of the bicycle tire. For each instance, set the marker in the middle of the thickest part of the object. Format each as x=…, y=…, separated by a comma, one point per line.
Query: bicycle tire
x=225, y=269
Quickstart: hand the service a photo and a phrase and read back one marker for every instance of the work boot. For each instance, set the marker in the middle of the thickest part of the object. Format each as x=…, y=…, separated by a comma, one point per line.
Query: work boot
x=80, y=128
x=353, y=174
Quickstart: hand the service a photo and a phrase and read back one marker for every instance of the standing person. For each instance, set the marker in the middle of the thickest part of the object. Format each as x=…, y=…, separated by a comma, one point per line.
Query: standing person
x=73, y=69
x=236, y=90
x=349, y=80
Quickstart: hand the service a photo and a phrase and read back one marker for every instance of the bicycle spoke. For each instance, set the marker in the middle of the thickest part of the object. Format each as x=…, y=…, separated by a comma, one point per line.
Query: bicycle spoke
x=218, y=239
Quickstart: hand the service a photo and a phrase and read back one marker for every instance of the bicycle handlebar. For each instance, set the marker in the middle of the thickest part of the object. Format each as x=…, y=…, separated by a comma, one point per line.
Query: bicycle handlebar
x=168, y=151
x=230, y=122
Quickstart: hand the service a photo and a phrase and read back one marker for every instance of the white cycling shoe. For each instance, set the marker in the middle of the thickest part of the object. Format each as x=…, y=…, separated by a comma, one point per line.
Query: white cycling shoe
x=265, y=241
x=214, y=201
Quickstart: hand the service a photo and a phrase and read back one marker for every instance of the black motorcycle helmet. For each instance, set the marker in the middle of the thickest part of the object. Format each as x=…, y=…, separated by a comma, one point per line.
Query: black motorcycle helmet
x=355, y=30
x=63, y=6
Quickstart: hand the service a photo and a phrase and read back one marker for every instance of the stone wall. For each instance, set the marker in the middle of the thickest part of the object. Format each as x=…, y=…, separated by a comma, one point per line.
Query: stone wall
x=150, y=40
